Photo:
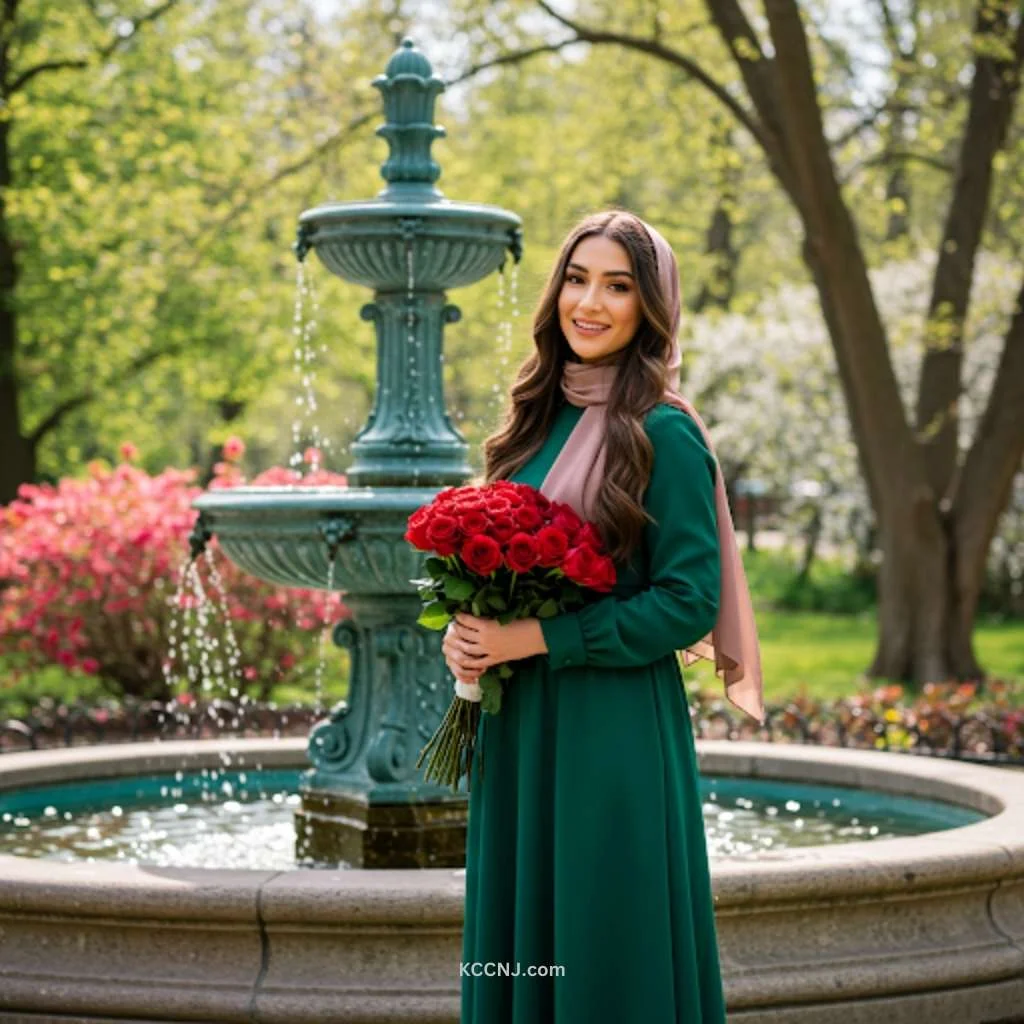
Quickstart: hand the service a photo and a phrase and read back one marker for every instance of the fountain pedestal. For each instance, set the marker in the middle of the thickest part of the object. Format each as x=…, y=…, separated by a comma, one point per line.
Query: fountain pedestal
x=337, y=825
x=364, y=802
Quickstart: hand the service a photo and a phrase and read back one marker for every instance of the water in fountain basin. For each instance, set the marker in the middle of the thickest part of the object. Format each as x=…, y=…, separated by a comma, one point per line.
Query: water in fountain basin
x=224, y=818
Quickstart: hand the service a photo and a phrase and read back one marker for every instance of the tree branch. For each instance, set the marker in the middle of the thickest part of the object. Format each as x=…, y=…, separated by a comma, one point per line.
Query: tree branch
x=834, y=253
x=513, y=57
x=671, y=56
x=891, y=29
x=757, y=70
x=332, y=142
x=997, y=448
x=909, y=156
x=68, y=405
x=101, y=54
x=869, y=120
x=993, y=95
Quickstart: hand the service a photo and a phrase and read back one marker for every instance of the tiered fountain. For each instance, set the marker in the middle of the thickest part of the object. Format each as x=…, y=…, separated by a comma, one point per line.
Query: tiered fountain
x=364, y=803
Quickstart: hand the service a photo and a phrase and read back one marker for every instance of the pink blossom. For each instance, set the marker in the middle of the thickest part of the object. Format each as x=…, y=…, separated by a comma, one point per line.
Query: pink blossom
x=234, y=448
x=91, y=565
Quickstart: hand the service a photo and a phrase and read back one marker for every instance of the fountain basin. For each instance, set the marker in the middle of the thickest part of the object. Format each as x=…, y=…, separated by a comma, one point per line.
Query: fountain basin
x=886, y=929
x=285, y=535
x=438, y=243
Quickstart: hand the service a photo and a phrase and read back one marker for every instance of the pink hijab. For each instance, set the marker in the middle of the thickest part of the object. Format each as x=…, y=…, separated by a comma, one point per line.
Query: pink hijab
x=576, y=475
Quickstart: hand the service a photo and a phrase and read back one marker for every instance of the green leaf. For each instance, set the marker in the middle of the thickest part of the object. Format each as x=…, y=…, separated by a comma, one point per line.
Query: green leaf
x=547, y=609
x=458, y=590
x=434, y=616
x=490, y=688
x=497, y=601
x=436, y=566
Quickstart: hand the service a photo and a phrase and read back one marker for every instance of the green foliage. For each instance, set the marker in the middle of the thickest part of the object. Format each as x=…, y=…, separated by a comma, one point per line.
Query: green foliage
x=832, y=586
x=153, y=202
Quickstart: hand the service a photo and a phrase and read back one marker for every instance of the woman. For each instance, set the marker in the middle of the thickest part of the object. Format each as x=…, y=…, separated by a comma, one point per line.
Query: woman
x=586, y=850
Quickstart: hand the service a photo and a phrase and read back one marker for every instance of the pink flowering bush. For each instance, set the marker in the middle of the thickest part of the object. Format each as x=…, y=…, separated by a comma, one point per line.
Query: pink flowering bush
x=89, y=569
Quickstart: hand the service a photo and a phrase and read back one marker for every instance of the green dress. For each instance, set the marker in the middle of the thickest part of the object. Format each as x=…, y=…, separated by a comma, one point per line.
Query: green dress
x=585, y=847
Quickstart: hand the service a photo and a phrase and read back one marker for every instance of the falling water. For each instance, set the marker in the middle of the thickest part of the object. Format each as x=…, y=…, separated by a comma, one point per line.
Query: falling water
x=192, y=631
x=175, y=602
x=306, y=432
x=504, y=339
x=231, y=642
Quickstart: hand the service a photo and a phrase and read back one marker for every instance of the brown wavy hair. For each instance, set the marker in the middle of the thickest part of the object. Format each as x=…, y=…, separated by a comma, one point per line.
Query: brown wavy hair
x=643, y=373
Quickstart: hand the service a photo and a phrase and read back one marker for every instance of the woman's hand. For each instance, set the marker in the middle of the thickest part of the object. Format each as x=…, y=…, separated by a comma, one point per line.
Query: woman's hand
x=472, y=645
x=461, y=663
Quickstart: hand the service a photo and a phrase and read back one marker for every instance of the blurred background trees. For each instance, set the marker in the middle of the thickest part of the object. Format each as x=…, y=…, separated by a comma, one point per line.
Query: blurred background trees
x=841, y=180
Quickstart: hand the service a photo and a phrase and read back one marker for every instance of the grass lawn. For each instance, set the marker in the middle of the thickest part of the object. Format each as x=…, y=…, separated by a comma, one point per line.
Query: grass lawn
x=828, y=653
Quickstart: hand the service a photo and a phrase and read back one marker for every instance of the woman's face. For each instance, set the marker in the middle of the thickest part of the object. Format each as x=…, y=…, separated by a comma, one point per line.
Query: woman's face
x=599, y=292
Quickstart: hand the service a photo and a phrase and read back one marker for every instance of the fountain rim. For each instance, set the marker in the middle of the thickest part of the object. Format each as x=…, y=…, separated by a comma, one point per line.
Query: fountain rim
x=427, y=208
x=989, y=850
x=288, y=498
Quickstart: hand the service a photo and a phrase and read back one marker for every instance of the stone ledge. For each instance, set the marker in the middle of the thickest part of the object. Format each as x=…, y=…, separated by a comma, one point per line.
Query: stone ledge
x=932, y=924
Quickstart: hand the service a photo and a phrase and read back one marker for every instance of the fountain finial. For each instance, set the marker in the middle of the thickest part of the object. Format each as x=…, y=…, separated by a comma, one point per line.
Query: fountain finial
x=409, y=88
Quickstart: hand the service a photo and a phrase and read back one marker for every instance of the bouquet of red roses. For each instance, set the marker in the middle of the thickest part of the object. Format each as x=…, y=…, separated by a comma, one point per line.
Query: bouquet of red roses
x=505, y=551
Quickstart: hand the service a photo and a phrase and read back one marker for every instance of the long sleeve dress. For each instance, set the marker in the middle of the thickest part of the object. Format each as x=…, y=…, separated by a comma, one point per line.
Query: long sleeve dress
x=585, y=846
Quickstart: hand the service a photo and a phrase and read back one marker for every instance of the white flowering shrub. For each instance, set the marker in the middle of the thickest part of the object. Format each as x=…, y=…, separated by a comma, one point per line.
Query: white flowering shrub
x=768, y=387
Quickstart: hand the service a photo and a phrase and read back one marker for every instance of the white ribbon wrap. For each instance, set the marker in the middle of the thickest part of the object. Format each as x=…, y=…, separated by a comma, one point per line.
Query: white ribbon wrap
x=468, y=691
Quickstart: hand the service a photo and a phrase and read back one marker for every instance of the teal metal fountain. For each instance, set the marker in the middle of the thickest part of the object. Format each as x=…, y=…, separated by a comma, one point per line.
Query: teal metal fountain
x=363, y=801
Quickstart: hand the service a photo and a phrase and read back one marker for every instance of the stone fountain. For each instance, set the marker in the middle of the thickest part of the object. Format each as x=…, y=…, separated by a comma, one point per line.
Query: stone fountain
x=364, y=802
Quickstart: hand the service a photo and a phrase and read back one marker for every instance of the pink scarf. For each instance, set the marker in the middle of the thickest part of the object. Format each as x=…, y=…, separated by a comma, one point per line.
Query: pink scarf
x=576, y=476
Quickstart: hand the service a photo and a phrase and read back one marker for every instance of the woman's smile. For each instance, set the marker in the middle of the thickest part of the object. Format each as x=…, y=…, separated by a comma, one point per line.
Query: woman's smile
x=585, y=327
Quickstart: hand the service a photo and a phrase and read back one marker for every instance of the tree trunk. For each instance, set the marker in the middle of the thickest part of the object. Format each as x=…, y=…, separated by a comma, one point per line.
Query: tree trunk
x=927, y=601
x=812, y=537
x=18, y=463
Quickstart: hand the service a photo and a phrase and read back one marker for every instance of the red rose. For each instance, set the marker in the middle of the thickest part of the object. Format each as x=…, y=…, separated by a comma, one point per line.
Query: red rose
x=552, y=545
x=522, y=553
x=443, y=533
x=527, y=517
x=502, y=528
x=566, y=519
x=496, y=503
x=589, y=536
x=416, y=534
x=606, y=575
x=583, y=566
x=482, y=554
x=473, y=521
